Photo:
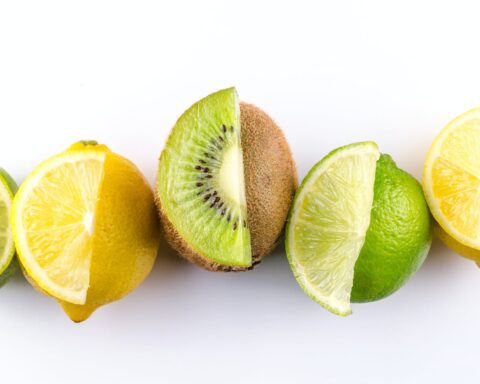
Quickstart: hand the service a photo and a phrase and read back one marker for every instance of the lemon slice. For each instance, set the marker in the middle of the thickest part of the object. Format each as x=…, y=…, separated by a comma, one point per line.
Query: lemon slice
x=53, y=219
x=328, y=224
x=451, y=179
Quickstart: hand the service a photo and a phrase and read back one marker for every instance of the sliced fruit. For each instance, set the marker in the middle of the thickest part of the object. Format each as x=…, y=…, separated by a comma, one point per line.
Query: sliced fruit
x=328, y=224
x=7, y=247
x=225, y=184
x=200, y=188
x=86, y=228
x=53, y=219
x=451, y=179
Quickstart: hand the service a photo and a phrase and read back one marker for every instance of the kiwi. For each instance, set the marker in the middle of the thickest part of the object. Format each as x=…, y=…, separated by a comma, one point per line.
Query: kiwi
x=225, y=183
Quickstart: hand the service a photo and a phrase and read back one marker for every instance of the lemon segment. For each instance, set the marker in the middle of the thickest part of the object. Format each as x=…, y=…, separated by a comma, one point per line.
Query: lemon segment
x=328, y=224
x=451, y=179
x=53, y=217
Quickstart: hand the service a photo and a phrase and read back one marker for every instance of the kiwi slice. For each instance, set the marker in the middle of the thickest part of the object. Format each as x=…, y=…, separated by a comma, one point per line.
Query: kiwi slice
x=201, y=188
x=225, y=184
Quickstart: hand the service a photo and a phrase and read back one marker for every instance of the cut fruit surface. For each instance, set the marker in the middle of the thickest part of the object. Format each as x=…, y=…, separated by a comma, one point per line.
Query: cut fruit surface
x=328, y=224
x=7, y=248
x=451, y=179
x=86, y=228
x=200, y=187
x=53, y=217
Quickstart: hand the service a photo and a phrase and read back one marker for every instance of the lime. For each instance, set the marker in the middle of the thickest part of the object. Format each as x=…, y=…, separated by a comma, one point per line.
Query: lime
x=358, y=229
x=328, y=223
x=8, y=265
x=399, y=235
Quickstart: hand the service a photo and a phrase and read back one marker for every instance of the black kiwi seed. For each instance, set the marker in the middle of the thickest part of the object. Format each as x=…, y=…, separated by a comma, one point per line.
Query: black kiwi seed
x=235, y=226
x=244, y=224
x=216, y=144
x=205, y=166
x=209, y=155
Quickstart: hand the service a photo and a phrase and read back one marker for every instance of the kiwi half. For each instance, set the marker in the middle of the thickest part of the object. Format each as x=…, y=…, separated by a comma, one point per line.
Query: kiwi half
x=225, y=183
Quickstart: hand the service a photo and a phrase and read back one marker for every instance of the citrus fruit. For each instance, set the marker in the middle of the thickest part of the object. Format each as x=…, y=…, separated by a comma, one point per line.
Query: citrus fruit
x=456, y=246
x=86, y=228
x=328, y=223
x=358, y=229
x=398, y=238
x=8, y=264
x=451, y=181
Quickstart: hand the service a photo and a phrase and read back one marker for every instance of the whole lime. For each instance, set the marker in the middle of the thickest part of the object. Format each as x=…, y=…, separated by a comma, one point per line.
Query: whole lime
x=399, y=235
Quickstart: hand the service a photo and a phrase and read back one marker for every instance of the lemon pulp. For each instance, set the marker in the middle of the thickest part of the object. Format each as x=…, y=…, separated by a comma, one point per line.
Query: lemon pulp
x=451, y=179
x=53, y=215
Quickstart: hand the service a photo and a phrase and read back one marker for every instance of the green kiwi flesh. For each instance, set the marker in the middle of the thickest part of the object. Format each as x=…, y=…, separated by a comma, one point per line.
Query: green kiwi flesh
x=200, y=184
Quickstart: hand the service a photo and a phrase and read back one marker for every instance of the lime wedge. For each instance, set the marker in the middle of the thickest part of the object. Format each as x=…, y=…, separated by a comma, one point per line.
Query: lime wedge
x=7, y=248
x=328, y=224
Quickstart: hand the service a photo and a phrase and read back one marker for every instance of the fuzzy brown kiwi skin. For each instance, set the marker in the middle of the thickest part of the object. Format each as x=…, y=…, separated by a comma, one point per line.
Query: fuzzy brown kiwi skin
x=270, y=178
x=270, y=183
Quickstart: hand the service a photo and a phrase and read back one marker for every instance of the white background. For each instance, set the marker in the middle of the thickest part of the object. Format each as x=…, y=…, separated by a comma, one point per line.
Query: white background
x=330, y=73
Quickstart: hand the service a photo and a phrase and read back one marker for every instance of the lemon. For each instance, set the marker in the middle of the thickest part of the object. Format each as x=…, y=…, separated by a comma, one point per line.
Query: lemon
x=86, y=228
x=8, y=264
x=451, y=182
x=454, y=245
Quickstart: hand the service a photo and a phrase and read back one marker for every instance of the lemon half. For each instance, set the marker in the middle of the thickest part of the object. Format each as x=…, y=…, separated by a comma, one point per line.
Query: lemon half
x=86, y=227
x=451, y=179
